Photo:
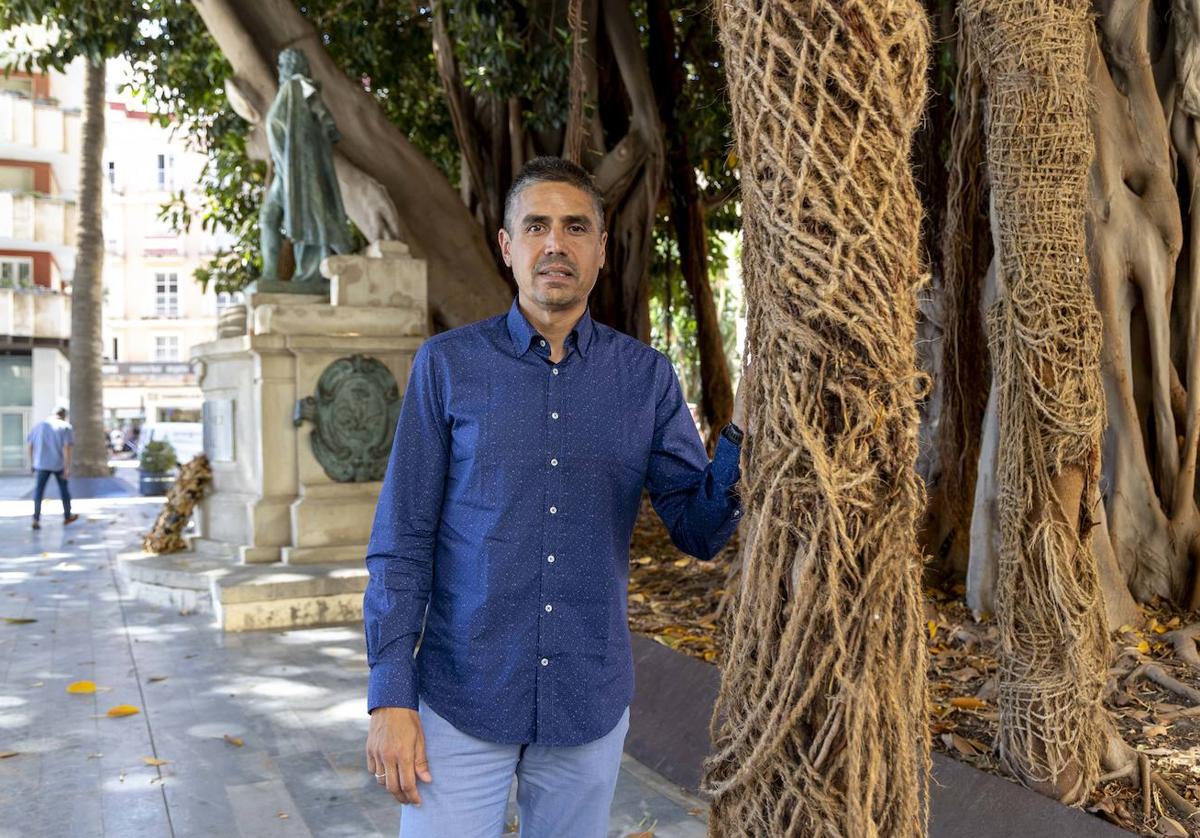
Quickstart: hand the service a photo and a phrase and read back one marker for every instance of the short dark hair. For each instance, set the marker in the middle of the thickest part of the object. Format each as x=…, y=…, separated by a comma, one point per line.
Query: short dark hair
x=552, y=170
x=61, y=413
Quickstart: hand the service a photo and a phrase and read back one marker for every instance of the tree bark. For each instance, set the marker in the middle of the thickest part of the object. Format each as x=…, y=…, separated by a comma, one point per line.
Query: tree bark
x=1147, y=156
x=90, y=456
x=630, y=177
x=387, y=183
x=687, y=219
x=964, y=252
x=1045, y=340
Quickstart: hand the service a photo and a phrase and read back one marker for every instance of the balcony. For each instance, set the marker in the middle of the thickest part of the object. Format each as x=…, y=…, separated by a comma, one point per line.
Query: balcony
x=29, y=217
x=38, y=125
x=163, y=245
x=34, y=313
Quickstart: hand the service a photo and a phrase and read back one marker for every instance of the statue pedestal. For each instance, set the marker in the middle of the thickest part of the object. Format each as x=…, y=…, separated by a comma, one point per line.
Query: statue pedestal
x=273, y=505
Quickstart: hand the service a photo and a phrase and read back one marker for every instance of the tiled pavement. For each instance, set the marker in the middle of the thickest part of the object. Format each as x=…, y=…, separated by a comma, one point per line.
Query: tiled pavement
x=295, y=699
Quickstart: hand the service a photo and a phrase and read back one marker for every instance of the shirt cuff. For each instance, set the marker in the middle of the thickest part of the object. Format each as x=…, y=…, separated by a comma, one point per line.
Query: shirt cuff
x=392, y=683
x=725, y=468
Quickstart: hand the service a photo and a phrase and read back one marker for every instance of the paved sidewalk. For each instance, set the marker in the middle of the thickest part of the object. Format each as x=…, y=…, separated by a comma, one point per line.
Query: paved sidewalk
x=294, y=699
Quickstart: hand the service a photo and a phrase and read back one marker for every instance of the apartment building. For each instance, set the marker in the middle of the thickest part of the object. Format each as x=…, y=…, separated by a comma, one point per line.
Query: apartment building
x=39, y=172
x=154, y=311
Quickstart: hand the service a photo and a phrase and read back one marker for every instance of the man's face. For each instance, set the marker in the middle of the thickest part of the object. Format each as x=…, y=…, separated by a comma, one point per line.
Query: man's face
x=556, y=247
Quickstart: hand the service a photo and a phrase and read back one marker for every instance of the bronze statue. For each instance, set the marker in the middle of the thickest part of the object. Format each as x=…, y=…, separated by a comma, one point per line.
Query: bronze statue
x=303, y=201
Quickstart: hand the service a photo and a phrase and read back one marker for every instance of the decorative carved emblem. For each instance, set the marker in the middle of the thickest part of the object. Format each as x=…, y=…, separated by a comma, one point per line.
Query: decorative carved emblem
x=354, y=413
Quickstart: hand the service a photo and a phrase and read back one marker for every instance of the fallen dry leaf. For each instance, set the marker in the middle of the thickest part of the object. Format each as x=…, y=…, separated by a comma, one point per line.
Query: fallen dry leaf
x=154, y=679
x=966, y=747
x=233, y=740
x=122, y=710
x=19, y=621
x=281, y=815
x=7, y=754
x=967, y=702
x=155, y=761
x=81, y=687
x=1171, y=827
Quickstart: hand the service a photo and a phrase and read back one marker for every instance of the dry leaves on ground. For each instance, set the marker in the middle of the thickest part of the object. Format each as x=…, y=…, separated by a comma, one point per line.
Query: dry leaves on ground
x=676, y=602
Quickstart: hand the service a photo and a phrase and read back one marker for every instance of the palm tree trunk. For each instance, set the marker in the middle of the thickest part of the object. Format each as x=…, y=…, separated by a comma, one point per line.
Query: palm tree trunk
x=87, y=412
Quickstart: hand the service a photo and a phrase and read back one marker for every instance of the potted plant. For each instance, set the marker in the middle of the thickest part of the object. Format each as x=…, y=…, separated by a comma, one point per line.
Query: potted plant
x=155, y=465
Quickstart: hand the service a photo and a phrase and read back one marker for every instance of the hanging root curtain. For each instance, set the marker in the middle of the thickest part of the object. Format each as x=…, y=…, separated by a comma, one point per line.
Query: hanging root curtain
x=1045, y=337
x=821, y=723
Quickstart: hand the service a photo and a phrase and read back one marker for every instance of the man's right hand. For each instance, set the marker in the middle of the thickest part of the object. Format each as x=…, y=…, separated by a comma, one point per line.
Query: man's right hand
x=396, y=745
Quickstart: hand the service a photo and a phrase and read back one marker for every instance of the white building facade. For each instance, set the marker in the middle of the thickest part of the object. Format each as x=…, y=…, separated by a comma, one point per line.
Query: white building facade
x=154, y=311
x=39, y=172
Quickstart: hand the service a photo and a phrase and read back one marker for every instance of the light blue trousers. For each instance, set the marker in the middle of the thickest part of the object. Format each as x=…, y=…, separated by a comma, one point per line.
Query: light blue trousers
x=562, y=792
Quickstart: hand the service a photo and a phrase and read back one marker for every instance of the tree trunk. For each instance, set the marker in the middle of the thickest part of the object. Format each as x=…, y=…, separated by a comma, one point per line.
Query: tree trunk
x=629, y=174
x=1142, y=187
x=391, y=189
x=687, y=219
x=1045, y=336
x=90, y=458
x=822, y=724
x=963, y=255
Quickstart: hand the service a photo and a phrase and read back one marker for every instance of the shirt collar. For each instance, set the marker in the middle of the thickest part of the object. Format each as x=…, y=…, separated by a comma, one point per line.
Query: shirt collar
x=523, y=333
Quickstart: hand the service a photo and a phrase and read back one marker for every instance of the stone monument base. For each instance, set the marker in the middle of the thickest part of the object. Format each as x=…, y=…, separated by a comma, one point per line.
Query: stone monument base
x=281, y=539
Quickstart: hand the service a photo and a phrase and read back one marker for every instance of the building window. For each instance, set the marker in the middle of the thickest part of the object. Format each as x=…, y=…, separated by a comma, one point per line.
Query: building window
x=16, y=272
x=115, y=356
x=166, y=294
x=166, y=348
x=16, y=178
x=225, y=299
x=110, y=169
x=166, y=171
x=22, y=87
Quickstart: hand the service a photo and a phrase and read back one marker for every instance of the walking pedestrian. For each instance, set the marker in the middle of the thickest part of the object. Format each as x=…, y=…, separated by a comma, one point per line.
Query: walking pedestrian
x=50, y=444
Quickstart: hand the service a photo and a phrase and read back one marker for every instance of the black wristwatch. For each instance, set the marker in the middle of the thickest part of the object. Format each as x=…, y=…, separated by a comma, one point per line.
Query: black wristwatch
x=733, y=433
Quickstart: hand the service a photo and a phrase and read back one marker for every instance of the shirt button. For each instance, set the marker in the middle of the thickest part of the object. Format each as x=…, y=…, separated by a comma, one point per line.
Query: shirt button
x=555, y=370
x=550, y=559
x=553, y=415
x=545, y=661
x=541, y=343
x=554, y=462
x=554, y=510
x=549, y=608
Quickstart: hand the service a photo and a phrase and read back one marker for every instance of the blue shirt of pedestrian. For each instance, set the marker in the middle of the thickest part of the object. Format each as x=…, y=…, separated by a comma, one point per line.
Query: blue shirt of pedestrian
x=49, y=438
x=508, y=507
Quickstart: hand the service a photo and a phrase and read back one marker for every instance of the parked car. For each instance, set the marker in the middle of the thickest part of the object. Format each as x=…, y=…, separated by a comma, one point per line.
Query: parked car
x=187, y=438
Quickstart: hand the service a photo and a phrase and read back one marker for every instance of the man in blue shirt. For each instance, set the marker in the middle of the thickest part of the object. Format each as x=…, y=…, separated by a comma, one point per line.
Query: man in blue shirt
x=503, y=528
x=50, y=444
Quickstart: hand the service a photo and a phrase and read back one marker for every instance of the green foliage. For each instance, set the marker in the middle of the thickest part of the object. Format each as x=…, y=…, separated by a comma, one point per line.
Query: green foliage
x=93, y=29
x=158, y=457
x=515, y=49
x=672, y=316
x=179, y=73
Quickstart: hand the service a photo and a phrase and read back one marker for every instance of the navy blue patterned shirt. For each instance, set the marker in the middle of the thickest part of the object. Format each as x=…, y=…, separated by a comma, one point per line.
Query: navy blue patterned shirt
x=505, y=520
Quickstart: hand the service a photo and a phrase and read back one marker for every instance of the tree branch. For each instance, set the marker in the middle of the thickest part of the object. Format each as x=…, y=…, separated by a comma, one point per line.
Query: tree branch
x=462, y=108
